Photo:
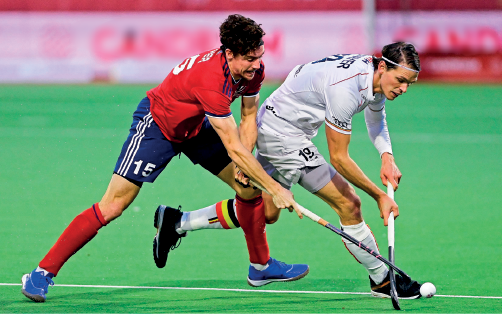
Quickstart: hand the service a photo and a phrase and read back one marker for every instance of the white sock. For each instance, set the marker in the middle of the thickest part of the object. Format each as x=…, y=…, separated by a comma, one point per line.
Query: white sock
x=361, y=232
x=209, y=218
x=39, y=269
x=259, y=266
x=378, y=278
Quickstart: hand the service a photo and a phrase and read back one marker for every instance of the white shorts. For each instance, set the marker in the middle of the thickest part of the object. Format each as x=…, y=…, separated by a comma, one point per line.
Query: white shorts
x=292, y=159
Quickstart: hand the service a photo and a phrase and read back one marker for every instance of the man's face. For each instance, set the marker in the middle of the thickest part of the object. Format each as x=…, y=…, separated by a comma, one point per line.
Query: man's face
x=245, y=66
x=396, y=81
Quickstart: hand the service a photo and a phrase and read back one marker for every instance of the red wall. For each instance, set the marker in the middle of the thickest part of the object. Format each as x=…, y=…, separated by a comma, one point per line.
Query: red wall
x=178, y=5
x=243, y=5
x=433, y=5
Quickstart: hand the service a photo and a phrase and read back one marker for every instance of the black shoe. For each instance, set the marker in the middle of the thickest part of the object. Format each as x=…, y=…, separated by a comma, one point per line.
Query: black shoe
x=166, y=238
x=405, y=290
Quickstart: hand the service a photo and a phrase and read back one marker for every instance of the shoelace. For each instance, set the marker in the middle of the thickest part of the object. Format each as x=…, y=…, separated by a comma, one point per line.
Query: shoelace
x=45, y=282
x=49, y=282
x=281, y=264
x=175, y=246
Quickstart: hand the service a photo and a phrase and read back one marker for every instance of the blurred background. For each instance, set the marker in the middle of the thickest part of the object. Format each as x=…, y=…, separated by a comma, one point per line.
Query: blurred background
x=73, y=71
x=140, y=41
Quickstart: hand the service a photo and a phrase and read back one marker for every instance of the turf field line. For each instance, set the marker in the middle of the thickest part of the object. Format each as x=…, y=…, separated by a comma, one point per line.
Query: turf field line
x=202, y=289
x=245, y=290
x=466, y=296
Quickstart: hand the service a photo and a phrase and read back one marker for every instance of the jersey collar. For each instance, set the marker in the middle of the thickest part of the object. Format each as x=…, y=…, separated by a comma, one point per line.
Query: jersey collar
x=233, y=80
x=226, y=70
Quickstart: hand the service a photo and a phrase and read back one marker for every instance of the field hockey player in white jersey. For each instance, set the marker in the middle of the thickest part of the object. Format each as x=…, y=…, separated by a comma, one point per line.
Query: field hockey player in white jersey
x=332, y=90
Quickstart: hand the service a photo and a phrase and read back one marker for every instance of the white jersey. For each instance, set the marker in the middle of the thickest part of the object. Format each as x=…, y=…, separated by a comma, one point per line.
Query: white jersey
x=330, y=90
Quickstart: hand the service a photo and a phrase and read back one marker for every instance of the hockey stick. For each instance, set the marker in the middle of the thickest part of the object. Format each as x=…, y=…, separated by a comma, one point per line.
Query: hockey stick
x=344, y=235
x=390, y=235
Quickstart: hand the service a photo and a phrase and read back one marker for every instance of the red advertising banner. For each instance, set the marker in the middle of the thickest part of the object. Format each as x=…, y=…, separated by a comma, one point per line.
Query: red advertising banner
x=461, y=68
x=438, y=5
x=180, y=5
x=144, y=47
x=79, y=47
x=244, y=5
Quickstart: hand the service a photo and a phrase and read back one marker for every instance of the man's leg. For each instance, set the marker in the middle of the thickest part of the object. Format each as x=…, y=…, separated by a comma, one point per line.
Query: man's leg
x=222, y=215
x=247, y=211
x=207, y=150
x=84, y=227
x=80, y=231
x=341, y=196
x=144, y=155
x=343, y=199
x=251, y=215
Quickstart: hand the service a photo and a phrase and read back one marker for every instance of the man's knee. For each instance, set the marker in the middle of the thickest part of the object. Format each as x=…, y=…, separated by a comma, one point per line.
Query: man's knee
x=113, y=209
x=246, y=193
x=119, y=195
x=227, y=175
x=272, y=213
x=270, y=219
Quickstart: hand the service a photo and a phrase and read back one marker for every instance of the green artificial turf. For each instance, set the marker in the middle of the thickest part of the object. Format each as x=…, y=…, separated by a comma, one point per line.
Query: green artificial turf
x=58, y=148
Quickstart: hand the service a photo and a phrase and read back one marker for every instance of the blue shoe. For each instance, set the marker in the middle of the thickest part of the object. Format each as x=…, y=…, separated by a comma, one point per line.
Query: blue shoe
x=36, y=285
x=276, y=271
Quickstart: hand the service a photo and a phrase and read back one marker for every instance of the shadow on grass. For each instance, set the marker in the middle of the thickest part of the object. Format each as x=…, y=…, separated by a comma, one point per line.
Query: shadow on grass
x=111, y=300
x=63, y=299
x=305, y=284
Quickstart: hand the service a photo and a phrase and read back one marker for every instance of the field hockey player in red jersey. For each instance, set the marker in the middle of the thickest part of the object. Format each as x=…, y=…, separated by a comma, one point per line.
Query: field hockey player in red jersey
x=189, y=113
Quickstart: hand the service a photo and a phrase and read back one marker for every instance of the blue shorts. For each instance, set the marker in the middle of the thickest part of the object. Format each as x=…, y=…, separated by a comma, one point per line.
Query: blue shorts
x=146, y=152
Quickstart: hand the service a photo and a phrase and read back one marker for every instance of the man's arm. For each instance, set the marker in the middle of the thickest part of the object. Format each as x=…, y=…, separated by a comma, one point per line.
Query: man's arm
x=379, y=135
x=338, y=145
x=247, y=130
x=242, y=157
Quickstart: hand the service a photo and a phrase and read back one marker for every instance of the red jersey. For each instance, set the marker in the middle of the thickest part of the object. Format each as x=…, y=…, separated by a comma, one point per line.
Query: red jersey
x=200, y=86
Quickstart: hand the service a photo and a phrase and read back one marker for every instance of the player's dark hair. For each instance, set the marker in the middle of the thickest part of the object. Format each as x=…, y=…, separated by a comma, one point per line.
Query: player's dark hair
x=240, y=34
x=399, y=52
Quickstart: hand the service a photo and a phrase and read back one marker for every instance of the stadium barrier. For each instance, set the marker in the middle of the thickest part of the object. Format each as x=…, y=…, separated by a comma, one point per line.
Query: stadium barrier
x=144, y=47
x=245, y=5
x=453, y=46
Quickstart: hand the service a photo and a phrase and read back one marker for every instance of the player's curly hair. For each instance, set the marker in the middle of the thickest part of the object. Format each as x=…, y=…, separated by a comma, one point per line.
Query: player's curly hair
x=399, y=52
x=240, y=34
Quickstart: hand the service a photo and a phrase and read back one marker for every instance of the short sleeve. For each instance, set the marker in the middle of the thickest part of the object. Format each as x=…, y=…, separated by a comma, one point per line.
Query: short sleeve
x=256, y=82
x=215, y=104
x=341, y=105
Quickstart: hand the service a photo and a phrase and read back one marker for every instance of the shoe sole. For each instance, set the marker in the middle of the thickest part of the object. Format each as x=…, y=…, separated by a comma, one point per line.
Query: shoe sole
x=259, y=283
x=386, y=296
x=33, y=297
x=159, y=255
